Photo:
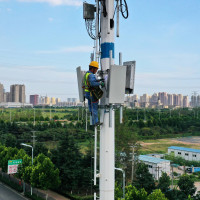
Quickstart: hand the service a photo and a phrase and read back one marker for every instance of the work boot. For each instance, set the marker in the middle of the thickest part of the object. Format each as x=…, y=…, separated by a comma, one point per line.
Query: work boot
x=98, y=124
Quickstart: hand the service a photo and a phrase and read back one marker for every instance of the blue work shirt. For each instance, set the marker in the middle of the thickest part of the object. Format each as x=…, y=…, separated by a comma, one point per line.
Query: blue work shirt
x=92, y=80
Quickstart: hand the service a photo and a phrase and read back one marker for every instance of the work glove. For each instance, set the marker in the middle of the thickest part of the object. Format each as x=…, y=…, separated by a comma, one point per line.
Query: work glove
x=102, y=84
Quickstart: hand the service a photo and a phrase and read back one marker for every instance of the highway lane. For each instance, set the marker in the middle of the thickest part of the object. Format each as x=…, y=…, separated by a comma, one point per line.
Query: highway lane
x=8, y=194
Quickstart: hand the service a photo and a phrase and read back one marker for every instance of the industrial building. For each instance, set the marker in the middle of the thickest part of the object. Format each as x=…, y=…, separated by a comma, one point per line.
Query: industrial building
x=185, y=153
x=155, y=165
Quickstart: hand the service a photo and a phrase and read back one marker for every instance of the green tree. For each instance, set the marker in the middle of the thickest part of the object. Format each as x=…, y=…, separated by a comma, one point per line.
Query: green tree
x=186, y=185
x=68, y=159
x=164, y=182
x=44, y=175
x=132, y=193
x=156, y=195
x=143, y=178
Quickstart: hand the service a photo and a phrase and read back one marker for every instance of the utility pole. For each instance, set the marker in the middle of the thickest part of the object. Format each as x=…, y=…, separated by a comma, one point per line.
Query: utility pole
x=133, y=159
x=86, y=119
x=33, y=138
x=10, y=114
x=172, y=176
x=78, y=114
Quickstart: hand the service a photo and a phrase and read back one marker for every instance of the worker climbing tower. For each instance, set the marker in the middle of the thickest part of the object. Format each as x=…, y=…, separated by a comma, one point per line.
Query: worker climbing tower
x=100, y=25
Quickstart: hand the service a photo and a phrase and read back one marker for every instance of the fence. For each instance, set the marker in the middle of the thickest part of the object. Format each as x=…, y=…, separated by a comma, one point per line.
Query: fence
x=21, y=186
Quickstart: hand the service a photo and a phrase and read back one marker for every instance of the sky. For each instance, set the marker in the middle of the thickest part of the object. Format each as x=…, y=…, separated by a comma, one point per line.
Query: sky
x=43, y=41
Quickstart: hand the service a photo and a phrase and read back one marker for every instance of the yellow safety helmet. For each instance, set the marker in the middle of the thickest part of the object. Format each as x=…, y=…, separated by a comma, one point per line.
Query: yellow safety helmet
x=94, y=64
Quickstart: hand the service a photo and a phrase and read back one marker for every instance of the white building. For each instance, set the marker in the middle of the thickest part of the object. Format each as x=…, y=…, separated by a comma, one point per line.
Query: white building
x=15, y=105
x=185, y=153
x=155, y=165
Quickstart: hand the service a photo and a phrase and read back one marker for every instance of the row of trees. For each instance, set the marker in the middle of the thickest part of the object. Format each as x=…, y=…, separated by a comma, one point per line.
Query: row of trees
x=42, y=174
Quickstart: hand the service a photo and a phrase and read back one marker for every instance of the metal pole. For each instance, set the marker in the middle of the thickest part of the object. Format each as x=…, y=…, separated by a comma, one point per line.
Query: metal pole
x=120, y=63
x=95, y=156
x=95, y=196
x=132, y=172
x=78, y=113
x=172, y=176
x=10, y=114
x=34, y=116
x=86, y=119
x=117, y=18
x=121, y=114
x=124, y=184
x=50, y=112
x=97, y=32
x=120, y=58
x=107, y=136
x=123, y=172
x=32, y=166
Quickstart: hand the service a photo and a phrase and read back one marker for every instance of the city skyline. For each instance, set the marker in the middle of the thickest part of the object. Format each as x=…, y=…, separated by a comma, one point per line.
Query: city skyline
x=42, y=49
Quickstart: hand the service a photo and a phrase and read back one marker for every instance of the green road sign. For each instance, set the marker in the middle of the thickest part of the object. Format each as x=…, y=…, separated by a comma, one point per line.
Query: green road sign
x=15, y=162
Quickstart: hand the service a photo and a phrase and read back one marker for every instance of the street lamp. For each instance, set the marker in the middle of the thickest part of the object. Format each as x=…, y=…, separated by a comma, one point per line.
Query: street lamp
x=27, y=145
x=123, y=172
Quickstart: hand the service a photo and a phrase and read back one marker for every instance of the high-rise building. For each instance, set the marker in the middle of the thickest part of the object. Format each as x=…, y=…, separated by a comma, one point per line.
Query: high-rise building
x=57, y=100
x=175, y=100
x=144, y=98
x=163, y=98
x=14, y=93
x=154, y=98
x=185, y=101
x=1, y=93
x=170, y=99
x=74, y=100
x=17, y=93
x=22, y=95
x=180, y=100
x=194, y=101
x=69, y=99
x=47, y=100
x=6, y=96
x=34, y=99
x=53, y=100
x=198, y=101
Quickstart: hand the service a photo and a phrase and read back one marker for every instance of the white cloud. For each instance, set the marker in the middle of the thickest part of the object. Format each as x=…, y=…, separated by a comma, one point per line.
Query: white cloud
x=57, y=2
x=78, y=49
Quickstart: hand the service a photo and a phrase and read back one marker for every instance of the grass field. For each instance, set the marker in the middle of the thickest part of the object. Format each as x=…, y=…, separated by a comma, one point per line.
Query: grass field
x=161, y=145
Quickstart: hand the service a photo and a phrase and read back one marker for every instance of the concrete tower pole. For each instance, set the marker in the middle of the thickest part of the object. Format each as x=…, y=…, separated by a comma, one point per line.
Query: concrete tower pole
x=107, y=136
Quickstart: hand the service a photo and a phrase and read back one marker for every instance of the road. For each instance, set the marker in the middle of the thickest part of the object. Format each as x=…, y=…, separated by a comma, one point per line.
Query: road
x=8, y=194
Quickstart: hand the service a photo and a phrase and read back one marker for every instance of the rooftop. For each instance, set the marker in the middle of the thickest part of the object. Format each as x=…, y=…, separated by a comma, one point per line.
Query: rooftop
x=150, y=159
x=184, y=149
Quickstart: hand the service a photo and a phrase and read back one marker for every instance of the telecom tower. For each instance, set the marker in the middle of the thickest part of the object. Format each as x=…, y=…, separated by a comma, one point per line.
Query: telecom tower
x=100, y=25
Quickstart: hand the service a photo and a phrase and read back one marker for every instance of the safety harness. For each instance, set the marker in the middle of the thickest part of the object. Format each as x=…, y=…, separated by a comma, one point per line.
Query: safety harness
x=96, y=92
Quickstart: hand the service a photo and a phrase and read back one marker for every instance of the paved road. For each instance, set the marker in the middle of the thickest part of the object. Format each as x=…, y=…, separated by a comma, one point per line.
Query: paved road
x=8, y=194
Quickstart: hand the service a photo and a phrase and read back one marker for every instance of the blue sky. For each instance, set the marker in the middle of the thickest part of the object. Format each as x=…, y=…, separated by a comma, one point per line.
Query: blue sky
x=43, y=41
